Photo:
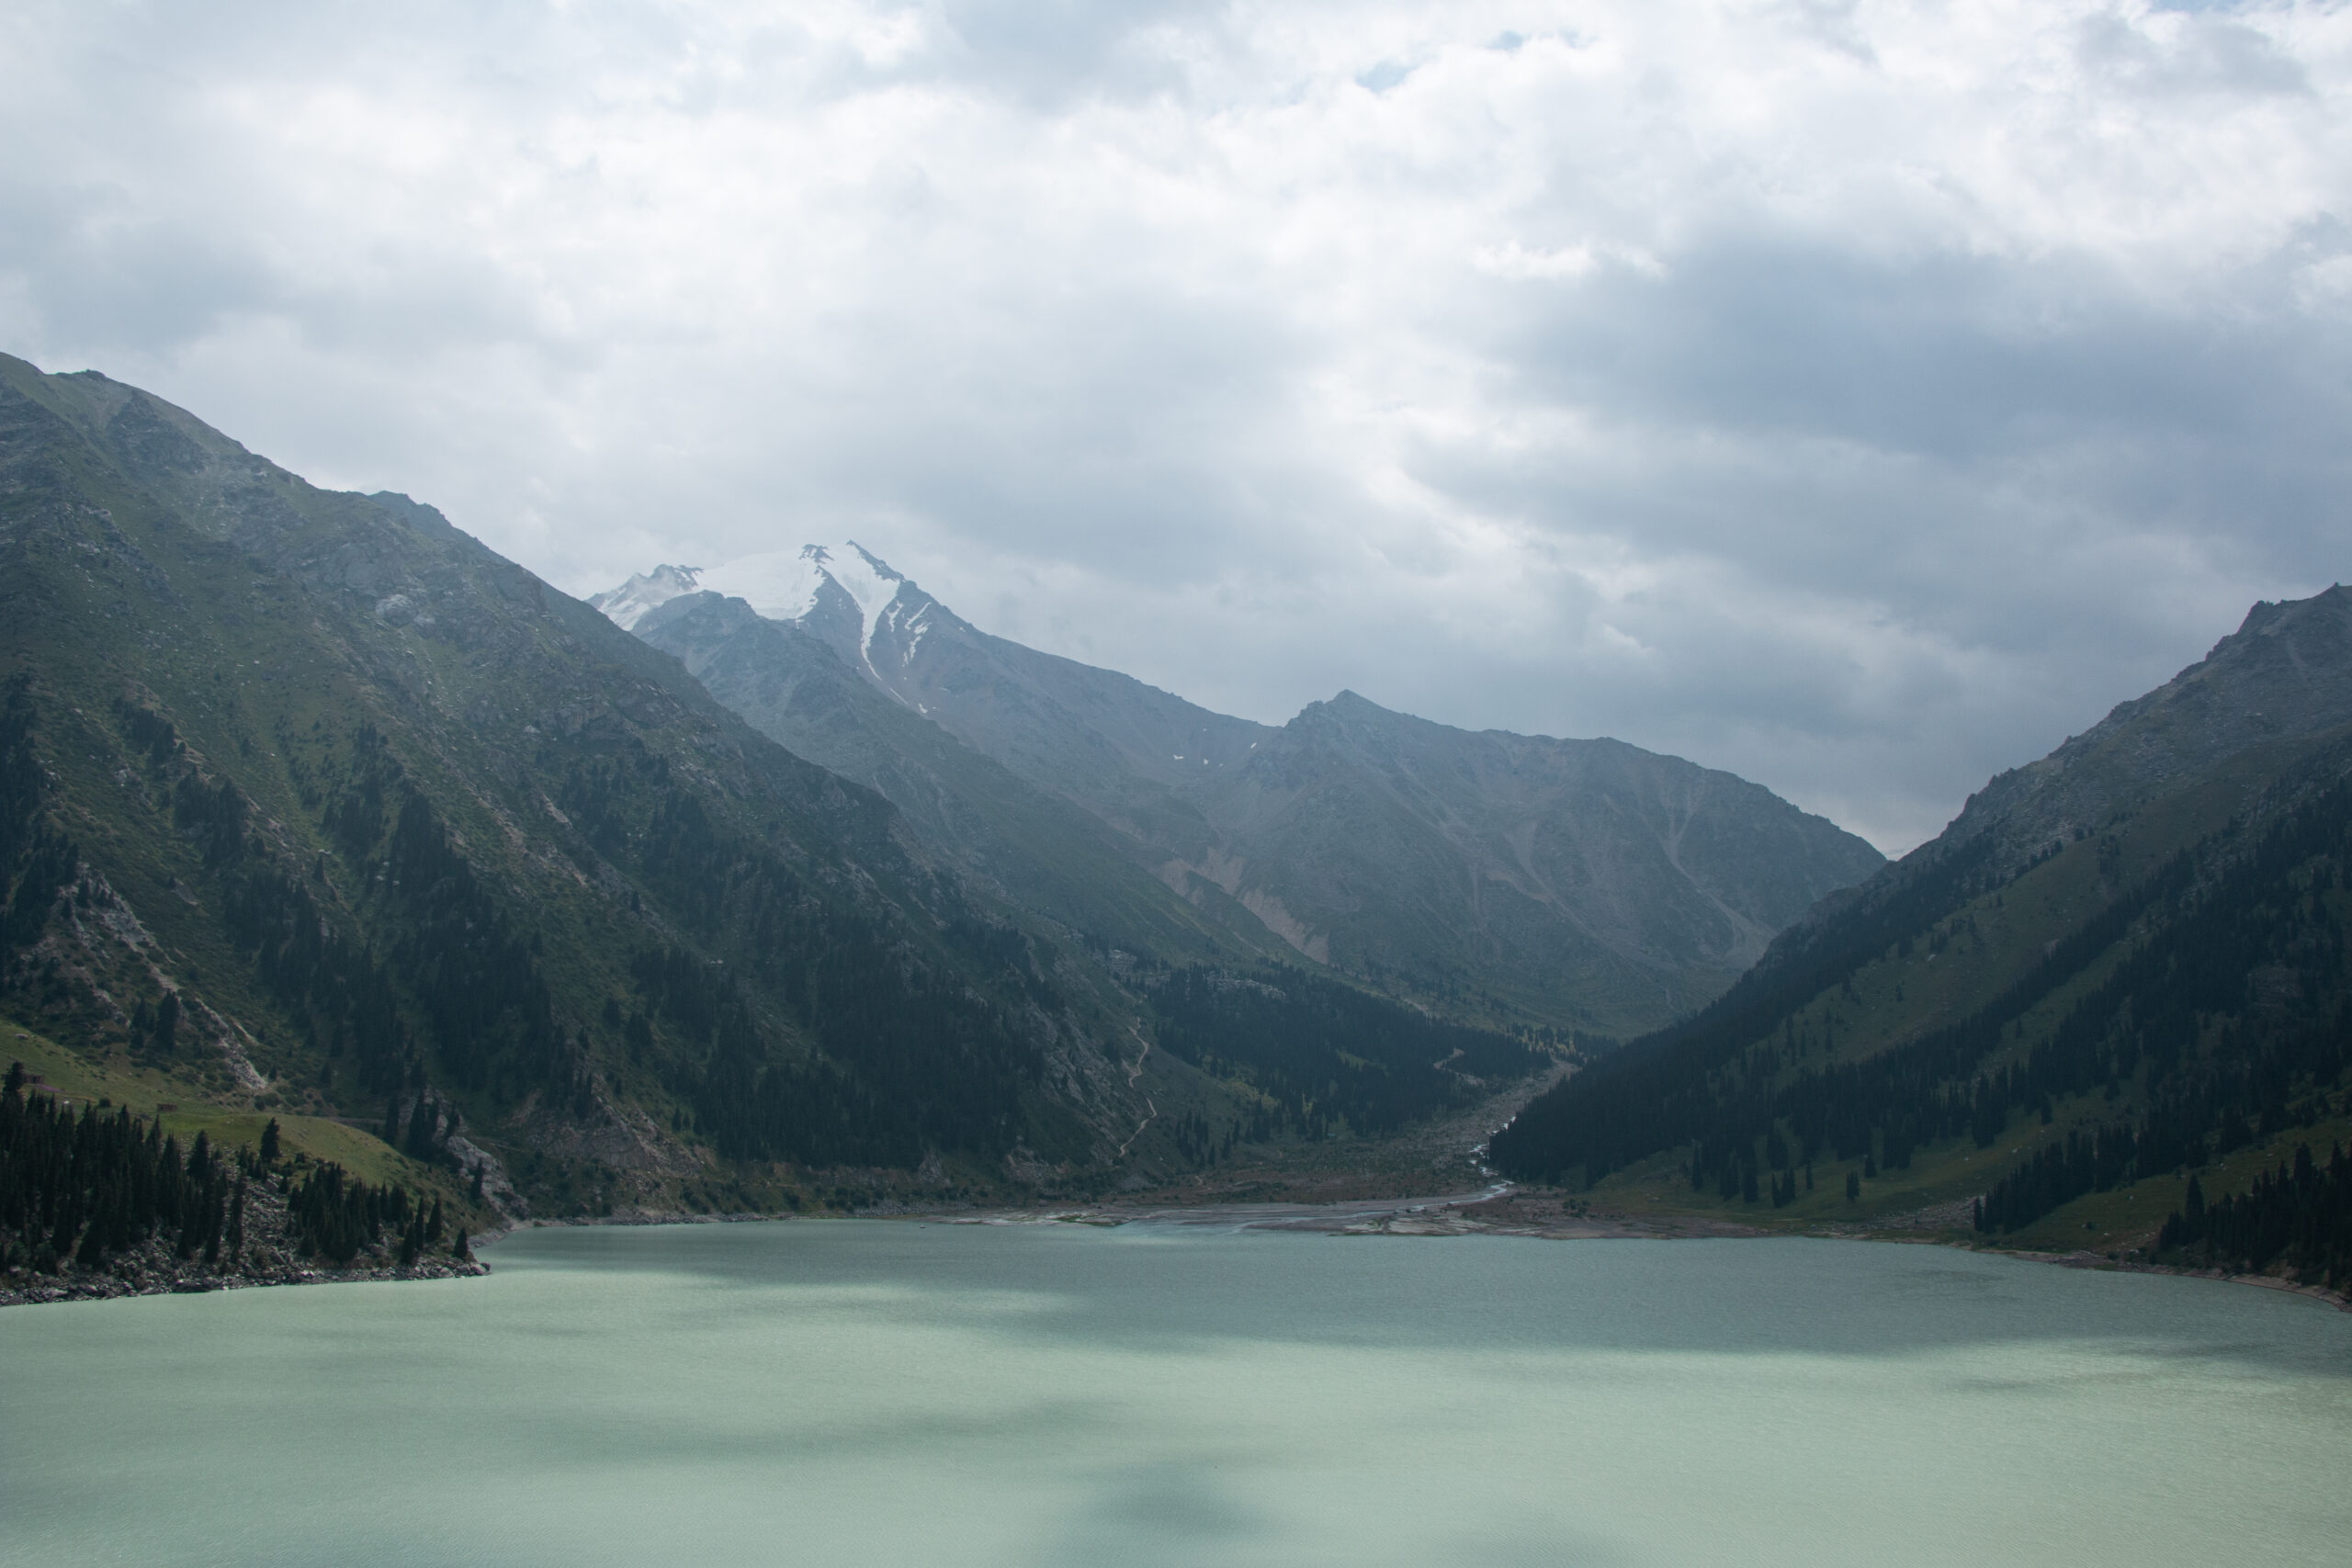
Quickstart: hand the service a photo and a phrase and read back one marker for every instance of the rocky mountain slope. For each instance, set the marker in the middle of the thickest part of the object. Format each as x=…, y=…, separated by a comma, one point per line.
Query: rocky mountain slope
x=1583, y=879
x=2120, y=968
x=2284, y=676
x=309, y=804
x=1586, y=886
x=1030, y=846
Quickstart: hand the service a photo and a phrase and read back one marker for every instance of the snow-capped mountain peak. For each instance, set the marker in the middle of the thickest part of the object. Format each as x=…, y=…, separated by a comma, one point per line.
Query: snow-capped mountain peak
x=790, y=586
x=644, y=593
x=869, y=582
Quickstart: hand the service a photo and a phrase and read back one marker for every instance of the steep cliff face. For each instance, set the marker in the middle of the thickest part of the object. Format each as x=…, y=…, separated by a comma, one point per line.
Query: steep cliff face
x=1586, y=884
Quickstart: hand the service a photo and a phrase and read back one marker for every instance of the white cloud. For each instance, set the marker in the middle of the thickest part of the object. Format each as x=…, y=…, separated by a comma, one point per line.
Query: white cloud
x=1858, y=395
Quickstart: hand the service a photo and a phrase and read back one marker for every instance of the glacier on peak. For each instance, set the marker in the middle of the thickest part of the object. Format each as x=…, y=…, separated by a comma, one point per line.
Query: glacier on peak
x=779, y=585
x=862, y=577
x=643, y=593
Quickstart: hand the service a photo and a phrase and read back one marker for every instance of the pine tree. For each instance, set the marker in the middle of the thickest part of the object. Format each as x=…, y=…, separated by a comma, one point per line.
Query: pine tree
x=421, y=1128
x=269, y=1142
x=92, y=1251
x=1853, y=1185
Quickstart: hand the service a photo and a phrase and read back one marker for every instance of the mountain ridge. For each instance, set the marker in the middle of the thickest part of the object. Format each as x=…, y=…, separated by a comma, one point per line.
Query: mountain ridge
x=2115, y=987
x=1584, y=884
x=1032, y=845
x=2256, y=683
x=317, y=813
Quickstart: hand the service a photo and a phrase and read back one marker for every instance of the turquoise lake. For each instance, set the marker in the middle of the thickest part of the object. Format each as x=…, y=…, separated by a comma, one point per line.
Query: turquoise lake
x=890, y=1393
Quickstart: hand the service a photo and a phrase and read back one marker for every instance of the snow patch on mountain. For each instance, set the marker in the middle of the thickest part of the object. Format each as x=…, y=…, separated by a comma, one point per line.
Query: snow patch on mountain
x=779, y=585
x=782, y=585
x=644, y=593
x=865, y=578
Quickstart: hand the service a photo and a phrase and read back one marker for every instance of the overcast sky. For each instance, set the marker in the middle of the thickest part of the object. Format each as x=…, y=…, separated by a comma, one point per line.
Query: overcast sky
x=1860, y=397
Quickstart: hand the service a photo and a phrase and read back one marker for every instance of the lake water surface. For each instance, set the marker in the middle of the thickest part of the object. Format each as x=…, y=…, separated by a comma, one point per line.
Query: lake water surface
x=909, y=1394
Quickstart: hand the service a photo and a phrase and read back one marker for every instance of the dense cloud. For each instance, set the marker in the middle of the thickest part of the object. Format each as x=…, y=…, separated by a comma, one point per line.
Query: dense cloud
x=1857, y=395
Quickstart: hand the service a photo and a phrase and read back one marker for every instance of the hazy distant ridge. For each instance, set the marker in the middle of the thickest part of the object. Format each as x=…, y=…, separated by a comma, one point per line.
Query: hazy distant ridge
x=1588, y=883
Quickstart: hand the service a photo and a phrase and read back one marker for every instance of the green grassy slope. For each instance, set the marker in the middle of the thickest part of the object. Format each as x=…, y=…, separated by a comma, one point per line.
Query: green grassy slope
x=79, y=1077
x=2167, y=984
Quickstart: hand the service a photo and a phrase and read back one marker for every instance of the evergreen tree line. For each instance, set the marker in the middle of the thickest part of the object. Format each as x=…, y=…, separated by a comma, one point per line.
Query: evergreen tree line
x=2086, y=1160
x=1198, y=1143
x=2177, y=1019
x=35, y=861
x=331, y=1215
x=1669, y=1087
x=2220, y=1067
x=448, y=949
x=332, y=987
x=890, y=1086
x=475, y=979
x=1322, y=1054
x=2300, y=1214
x=914, y=1059
x=474, y=983
x=419, y=1123
x=88, y=1185
x=2199, y=1110
x=1725, y=1098
x=1803, y=962
x=211, y=811
x=154, y=1026
x=911, y=1056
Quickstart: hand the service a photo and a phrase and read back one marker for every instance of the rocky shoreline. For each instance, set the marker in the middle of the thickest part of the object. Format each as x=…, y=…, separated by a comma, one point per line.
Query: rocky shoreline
x=151, y=1269
x=2099, y=1261
x=154, y=1268
x=1546, y=1217
x=133, y=1277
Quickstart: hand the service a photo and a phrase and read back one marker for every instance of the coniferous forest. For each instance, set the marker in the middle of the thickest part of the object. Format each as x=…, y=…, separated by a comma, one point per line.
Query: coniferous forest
x=2204, y=1010
x=1323, y=1056
x=98, y=1189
